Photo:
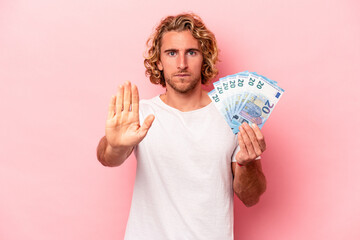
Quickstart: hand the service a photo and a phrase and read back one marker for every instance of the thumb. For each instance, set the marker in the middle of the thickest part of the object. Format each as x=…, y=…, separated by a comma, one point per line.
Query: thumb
x=146, y=125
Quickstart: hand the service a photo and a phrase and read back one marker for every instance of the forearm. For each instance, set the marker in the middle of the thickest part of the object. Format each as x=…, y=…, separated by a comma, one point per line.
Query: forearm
x=249, y=182
x=112, y=157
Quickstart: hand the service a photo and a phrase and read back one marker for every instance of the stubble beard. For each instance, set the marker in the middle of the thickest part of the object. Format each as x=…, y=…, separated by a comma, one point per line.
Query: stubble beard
x=182, y=89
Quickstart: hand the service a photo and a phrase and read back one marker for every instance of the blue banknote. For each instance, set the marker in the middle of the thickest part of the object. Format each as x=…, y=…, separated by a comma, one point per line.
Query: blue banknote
x=245, y=97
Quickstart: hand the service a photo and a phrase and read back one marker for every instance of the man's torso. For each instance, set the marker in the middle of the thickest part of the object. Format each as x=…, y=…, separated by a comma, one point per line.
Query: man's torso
x=183, y=186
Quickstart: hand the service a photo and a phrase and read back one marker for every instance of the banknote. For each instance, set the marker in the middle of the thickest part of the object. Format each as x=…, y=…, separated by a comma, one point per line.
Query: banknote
x=215, y=97
x=245, y=97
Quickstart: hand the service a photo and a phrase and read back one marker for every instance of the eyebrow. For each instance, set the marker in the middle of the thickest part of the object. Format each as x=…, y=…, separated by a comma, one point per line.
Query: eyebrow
x=186, y=50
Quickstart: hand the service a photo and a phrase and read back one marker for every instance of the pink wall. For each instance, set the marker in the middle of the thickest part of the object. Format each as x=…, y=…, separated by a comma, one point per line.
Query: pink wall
x=60, y=61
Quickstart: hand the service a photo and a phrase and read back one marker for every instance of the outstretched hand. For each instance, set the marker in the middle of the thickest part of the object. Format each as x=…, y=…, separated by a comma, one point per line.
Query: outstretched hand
x=252, y=143
x=122, y=125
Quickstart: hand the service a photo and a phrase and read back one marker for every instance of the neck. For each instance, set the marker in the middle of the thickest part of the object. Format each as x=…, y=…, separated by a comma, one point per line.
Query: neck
x=192, y=100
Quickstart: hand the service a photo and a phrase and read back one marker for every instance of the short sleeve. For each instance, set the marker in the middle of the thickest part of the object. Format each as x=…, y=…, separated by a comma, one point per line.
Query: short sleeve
x=237, y=149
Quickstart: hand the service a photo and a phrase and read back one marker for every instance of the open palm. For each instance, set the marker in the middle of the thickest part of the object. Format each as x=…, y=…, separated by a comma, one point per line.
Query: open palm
x=122, y=125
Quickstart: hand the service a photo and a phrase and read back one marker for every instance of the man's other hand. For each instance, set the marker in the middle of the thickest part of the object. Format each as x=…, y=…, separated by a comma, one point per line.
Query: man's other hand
x=122, y=125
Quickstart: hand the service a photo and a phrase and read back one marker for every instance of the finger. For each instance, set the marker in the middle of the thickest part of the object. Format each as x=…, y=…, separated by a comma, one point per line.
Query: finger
x=134, y=99
x=119, y=99
x=259, y=137
x=242, y=154
x=250, y=132
x=248, y=144
x=112, y=109
x=127, y=96
x=241, y=141
x=146, y=125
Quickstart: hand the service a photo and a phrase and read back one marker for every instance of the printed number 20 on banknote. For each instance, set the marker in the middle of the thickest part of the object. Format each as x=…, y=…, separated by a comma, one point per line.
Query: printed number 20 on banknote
x=245, y=97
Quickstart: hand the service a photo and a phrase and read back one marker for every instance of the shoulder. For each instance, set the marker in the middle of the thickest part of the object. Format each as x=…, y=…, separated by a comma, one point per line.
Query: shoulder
x=148, y=106
x=143, y=103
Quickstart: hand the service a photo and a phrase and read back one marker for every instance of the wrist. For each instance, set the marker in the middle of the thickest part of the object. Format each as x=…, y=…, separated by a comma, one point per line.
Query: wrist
x=118, y=149
x=115, y=156
x=114, y=149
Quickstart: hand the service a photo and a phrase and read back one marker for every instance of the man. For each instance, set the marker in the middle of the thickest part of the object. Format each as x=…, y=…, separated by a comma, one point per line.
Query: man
x=189, y=163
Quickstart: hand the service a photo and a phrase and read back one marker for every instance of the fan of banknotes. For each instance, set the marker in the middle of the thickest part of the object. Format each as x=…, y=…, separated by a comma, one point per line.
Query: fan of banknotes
x=245, y=97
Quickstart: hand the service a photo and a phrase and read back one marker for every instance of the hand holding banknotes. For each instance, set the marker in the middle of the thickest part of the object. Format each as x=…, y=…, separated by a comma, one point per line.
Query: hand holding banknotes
x=122, y=125
x=252, y=143
x=242, y=99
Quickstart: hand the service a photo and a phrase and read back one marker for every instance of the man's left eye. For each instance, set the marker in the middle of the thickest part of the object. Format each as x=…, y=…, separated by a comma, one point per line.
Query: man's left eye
x=192, y=53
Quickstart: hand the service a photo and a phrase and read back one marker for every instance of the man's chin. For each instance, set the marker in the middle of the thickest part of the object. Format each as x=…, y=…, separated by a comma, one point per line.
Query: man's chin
x=184, y=88
x=183, y=85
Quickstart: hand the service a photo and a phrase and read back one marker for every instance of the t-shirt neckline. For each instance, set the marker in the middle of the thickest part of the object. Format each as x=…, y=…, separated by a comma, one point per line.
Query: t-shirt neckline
x=162, y=103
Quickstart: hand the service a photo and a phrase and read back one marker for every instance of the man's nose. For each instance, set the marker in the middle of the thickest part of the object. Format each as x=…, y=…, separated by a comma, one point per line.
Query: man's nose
x=182, y=61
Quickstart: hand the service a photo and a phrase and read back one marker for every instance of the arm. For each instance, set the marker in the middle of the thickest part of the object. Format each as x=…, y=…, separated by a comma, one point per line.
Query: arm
x=123, y=131
x=112, y=157
x=249, y=181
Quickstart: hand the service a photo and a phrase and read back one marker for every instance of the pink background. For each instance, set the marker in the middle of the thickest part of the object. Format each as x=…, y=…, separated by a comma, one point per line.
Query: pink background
x=60, y=61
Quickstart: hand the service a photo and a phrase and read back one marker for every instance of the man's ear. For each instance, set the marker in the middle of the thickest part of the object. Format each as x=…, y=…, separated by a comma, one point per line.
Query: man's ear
x=159, y=65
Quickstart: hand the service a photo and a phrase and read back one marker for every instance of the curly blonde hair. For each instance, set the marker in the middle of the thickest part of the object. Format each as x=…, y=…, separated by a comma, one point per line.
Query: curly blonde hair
x=182, y=22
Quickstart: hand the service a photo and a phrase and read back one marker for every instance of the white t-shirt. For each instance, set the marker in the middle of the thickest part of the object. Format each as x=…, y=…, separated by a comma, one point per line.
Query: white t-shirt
x=183, y=187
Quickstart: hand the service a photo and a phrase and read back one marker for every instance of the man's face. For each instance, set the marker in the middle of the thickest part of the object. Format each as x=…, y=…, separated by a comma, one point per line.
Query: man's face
x=180, y=60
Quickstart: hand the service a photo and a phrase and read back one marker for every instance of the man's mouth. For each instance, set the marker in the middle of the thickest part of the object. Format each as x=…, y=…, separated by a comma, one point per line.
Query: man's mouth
x=182, y=74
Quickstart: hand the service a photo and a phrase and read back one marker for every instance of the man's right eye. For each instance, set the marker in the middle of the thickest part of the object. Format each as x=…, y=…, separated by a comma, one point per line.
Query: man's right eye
x=171, y=53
